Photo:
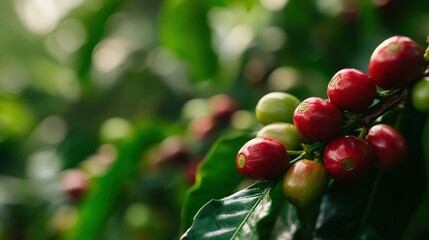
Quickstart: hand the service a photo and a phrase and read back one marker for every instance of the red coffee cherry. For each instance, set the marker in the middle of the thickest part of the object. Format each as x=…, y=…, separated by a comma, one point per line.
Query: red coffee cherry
x=172, y=151
x=388, y=144
x=396, y=62
x=75, y=183
x=351, y=90
x=202, y=127
x=348, y=158
x=262, y=159
x=190, y=170
x=223, y=107
x=305, y=183
x=317, y=119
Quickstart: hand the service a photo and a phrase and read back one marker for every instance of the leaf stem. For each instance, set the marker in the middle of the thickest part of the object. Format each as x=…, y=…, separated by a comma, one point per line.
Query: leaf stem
x=426, y=54
x=363, y=132
x=312, y=148
x=384, y=106
x=302, y=156
x=386, y=93
x=295, y=153
x=369, y=205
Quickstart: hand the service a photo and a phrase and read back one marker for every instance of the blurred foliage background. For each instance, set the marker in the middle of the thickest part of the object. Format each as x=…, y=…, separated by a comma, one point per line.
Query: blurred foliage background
x=109, y=88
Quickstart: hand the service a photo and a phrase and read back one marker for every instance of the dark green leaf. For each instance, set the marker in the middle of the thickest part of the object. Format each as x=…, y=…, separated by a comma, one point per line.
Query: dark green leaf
x=419, y=224
x=233, y=217
x=402, y=189
x=217, y=177
x=343, y=205
x=185, y=31
x=286, y=225
x=266, y=225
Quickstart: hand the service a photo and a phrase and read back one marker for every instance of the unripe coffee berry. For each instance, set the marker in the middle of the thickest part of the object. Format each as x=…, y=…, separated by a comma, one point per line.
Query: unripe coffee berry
x=305, y=183
x=262, y=159
x=284, y=132
x=317, y=119
x=348, y=158
x=351, y=90
x=388, y=144
x=396, y=63
x=276, y=107
x=420, y=95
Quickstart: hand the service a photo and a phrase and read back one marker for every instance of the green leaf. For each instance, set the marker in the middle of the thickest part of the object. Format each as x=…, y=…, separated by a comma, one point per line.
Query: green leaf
x=95, y=22
x=185, y=31
x=343, y=205
x=287, y=223
x=266, y=225
x=233, y=217
x=99, y=205
x=217, y=176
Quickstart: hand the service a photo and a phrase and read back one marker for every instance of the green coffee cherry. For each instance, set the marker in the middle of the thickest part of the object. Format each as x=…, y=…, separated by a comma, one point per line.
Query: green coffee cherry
x=283, y=132
x=276, y=107
x=420, y=95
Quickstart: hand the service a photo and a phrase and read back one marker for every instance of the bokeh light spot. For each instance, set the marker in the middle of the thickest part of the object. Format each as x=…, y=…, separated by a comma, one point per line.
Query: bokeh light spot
x=52, y=129
x=274, y=5
x=115, y=129
x=42, y=16
x=110, y=54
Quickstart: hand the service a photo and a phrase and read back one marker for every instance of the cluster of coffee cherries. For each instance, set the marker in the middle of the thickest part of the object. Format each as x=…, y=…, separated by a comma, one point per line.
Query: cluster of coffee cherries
x=339, y=138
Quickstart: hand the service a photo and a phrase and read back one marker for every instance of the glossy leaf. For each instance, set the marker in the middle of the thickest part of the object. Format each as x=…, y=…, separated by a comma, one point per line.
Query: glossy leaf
x=286, y=225
x=233, y=217
x=179, y=16
x=266, y=225
x=217, y=177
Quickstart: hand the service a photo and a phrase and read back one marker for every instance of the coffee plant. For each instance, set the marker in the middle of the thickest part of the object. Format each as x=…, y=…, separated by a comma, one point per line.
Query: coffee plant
x=260, y=119
x=322, y=168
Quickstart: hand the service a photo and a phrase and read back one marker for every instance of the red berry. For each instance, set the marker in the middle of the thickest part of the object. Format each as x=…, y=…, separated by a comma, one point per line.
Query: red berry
x=202, y=127
x=351, y=90
x=262, y=159
x=75, y=183
x=348, y=158
x=191, y=168
x=172, y=151
x=388, y=144
x=317, y=119
x=223, y=107
x=396, y=62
